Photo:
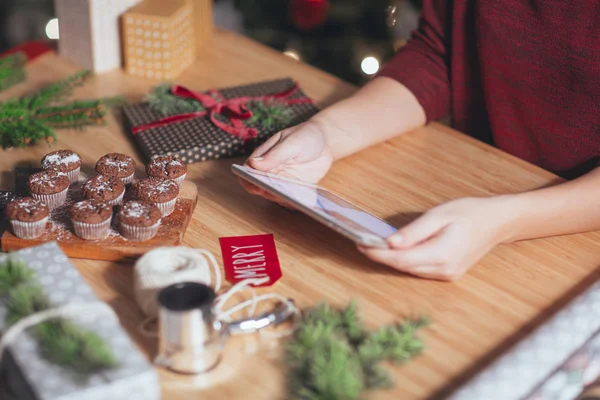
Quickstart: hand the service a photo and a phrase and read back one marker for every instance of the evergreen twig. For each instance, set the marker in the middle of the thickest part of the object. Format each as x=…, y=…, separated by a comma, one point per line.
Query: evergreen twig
x=12, y=70
x=161, y=100
x=33, y=118
x=332, y=356
x=268, y=115
x=61, y=342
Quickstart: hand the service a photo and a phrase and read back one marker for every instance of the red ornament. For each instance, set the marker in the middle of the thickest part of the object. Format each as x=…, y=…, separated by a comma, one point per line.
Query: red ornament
x=309, y=14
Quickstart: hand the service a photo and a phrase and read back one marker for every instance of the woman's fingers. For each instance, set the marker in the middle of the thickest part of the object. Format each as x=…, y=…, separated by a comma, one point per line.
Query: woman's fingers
x=255, y=190
x=423, y=228
x=266, y=146
x=428, y=253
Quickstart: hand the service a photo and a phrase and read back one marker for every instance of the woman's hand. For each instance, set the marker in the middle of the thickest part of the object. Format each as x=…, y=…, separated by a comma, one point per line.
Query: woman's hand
x=449, y=239
x=300, y=152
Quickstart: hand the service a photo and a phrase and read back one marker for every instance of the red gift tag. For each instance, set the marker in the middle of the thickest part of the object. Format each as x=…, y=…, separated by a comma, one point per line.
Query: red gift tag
x=246, y=257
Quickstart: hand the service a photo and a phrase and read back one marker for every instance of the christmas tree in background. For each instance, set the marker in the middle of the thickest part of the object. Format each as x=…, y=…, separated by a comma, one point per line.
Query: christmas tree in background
x=347, y=38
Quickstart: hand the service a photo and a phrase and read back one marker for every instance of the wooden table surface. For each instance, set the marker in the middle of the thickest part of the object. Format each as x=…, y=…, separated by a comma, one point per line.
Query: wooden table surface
x=510, y=292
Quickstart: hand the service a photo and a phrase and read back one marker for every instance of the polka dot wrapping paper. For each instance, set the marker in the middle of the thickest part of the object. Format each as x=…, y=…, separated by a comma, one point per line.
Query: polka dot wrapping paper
x=26, y=375
x=199, y=139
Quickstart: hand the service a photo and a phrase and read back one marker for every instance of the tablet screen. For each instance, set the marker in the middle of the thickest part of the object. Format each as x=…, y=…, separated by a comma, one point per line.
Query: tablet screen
x=327, y=203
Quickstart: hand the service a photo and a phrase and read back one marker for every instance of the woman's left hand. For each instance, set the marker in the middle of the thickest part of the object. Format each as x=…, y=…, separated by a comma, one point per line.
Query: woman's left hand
x=449, y=239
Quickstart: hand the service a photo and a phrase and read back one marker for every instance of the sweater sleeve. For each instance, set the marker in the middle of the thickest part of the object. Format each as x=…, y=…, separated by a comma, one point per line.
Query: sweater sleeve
x=422, y=64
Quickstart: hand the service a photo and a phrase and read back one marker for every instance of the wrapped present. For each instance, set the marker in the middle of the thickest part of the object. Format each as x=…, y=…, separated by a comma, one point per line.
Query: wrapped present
x=12, y=70
x=229, y=122
x=159, y=38
x=32, y=372
x=89, y=32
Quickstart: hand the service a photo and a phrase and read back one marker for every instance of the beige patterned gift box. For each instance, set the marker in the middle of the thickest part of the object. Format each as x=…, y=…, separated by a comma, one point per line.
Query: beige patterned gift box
x=159, y=38
x=203, y=22
x=89, y=32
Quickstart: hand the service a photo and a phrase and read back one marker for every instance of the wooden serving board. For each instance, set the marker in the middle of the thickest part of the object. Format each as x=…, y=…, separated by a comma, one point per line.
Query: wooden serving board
x=115, y=247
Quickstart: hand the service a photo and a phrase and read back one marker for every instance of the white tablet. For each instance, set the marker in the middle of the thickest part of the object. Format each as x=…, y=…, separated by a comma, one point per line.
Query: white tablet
x=324, y=206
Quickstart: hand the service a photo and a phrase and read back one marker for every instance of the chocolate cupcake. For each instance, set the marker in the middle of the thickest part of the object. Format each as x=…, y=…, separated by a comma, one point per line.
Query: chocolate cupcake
x=50, y=187
x=27, y=217
x=167, y=167
x=65, y=161
x=91, y=219
x=117, y=165
x=139, y=221
x=104, y=188
x=162, y=192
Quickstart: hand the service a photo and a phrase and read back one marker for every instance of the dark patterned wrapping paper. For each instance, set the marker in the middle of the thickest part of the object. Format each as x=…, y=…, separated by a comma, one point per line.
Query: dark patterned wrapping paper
x=536, y=367
x=199, y=139
x=26, y=375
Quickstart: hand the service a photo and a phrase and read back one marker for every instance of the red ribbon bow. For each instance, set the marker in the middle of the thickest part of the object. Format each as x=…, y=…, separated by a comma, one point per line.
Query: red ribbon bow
x=234, y=109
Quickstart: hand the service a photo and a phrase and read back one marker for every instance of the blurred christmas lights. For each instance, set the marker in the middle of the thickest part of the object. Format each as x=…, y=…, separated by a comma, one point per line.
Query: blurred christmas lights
x=52, y=29
x=369, y=65
x=292, y=54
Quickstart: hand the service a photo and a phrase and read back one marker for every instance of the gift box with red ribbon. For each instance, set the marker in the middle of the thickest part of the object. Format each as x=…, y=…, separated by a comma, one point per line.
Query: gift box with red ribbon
x=225, y=127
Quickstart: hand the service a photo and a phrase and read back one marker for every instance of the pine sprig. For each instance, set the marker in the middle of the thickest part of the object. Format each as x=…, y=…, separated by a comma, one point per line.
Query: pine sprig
x=59, y=91
x=30, y=119
x=13, y=274
x=332, y=356
x=268, y=115
x=12, y=70
x=61, y=342
x=161, y=100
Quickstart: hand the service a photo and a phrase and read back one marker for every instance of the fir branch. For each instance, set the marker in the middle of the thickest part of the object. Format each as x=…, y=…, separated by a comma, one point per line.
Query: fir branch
x=61, y=342
x=162, y=101
x=24, y=131
x=13, y=274
x=30, y=119
x=12, y=69
x=270, y=114
x=58, y=91
x=332, y=355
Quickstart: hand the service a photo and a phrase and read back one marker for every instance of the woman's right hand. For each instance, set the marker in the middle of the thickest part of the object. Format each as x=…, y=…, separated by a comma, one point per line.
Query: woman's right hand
x=300, y=152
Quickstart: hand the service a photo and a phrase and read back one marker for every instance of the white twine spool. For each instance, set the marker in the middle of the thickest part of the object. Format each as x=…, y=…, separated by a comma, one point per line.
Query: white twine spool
x=165, y=266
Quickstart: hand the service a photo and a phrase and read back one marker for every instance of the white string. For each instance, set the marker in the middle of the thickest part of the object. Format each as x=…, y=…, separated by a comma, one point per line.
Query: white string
x=68, y=310
x=165, y=266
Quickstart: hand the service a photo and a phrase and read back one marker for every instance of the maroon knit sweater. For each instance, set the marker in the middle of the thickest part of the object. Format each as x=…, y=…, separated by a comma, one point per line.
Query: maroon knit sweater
x=522, y=75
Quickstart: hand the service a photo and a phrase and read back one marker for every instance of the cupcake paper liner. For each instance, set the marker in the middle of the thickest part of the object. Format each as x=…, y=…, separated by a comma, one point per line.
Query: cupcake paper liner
x=139, y=233
x=29, y=230
x=128, y=179
x=52, y=200
x=92, y=231
x=73, y=175
x=118, y=201
x=167, y=208
x=180, y=180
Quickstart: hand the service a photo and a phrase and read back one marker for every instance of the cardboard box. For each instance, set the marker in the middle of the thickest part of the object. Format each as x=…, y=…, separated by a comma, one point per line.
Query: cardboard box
x=159, y=39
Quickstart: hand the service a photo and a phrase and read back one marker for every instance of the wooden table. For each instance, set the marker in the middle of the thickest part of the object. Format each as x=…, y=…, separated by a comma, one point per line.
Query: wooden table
x=510, y=292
